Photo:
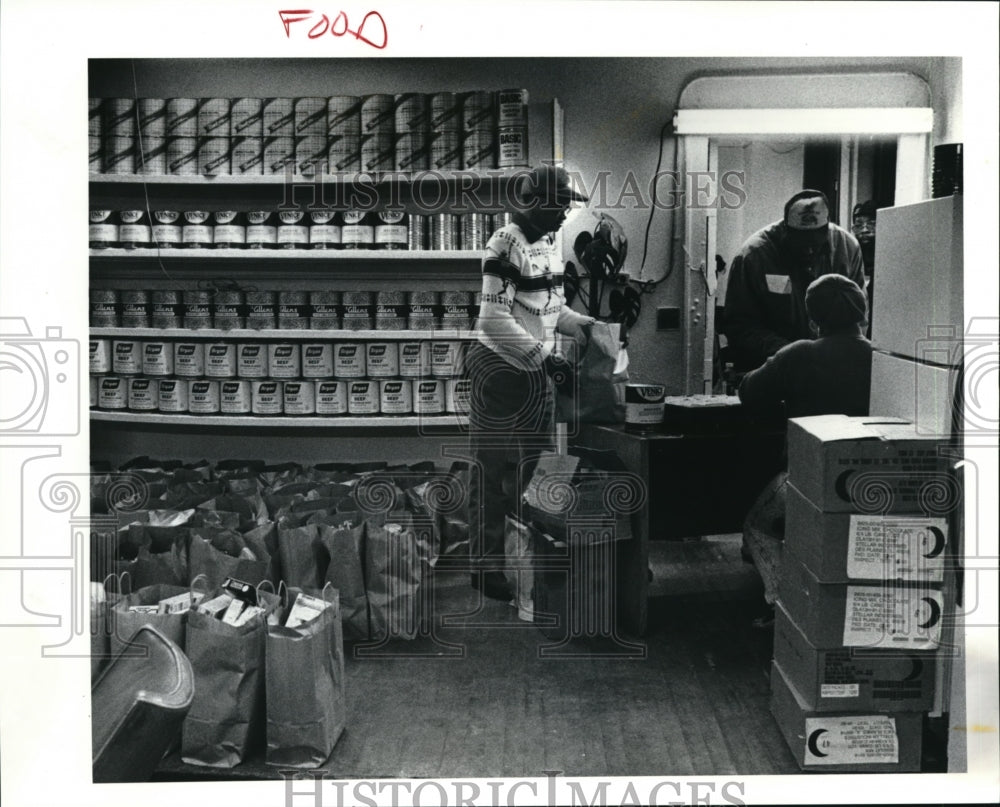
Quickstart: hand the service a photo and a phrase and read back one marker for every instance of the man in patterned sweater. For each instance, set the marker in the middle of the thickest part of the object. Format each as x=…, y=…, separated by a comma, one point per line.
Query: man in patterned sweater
x=515, y=363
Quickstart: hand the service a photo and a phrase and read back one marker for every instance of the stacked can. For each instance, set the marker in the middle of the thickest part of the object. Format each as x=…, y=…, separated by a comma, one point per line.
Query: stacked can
x=378, y=152
x=357, y=311
x=229, y=307
x=455, y=309
x=229, y=229
x=512, y=129
x=134, y=229
x=118, y=133
x=196, y=231
x=310, y=130
x=423, y=313
x=166, y=230
x=103, y=232
x=357, y=230
x=478, y=131
x=343, y=128
x=475, y=230
x=293, y=310
x=416, y=231
x=293, y=229
x=444, y=231
x=445, y=134
x=391, y=310
x=166, y=309
x=412, y=124
x=325, y=310
x=197, y=309
x=135, y=307
x=104, y=307
x=151, y=144
x=278, y=144
x=246, y=127
x=94, y=130
x=182, y=136
x=261, y=310
x=390, y=230
x=262, y=230
x=324, y=230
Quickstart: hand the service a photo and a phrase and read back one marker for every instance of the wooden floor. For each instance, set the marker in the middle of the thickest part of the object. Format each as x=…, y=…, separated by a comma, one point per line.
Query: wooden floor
x=492, y=702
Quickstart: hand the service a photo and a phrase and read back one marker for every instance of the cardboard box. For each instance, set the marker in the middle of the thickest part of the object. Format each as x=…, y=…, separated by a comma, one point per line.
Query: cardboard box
x=854, y=679
x=863, y=741
x=918, y=392
x=887, y=615
x=841, y=547
x=869, y=465
x=305, y=609
x=216, y=606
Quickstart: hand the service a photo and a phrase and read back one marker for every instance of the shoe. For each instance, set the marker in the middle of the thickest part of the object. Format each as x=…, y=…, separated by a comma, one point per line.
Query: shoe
x=494, y=585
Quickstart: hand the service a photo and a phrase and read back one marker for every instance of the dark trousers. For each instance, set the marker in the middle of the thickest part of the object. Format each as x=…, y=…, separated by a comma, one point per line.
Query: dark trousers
x=511, y=425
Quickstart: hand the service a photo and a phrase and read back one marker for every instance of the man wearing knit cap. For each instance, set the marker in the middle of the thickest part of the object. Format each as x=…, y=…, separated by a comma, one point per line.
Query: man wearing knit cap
x=824, y=376
x=765, y=299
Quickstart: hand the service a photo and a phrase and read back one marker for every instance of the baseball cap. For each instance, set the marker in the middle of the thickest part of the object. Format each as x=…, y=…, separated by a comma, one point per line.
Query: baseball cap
x=550, y=183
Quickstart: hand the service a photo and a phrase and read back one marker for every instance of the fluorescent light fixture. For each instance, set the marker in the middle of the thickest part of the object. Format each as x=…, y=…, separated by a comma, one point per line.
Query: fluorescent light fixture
x=874, y=120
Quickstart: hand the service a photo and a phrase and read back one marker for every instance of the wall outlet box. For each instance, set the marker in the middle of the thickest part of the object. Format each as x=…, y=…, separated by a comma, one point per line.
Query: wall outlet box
x=668, y=319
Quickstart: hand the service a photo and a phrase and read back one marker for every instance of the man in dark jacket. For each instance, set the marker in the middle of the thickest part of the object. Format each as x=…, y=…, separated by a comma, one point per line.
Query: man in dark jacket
x=765, y=298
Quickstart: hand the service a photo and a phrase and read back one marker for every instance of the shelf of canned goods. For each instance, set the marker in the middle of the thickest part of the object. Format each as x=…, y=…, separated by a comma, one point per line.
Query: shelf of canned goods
x=449, y=421
x=449, y=256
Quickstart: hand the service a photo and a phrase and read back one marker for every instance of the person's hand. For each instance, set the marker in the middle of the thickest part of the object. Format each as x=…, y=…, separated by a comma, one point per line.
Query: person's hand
x=581, y=333
x=562, y=373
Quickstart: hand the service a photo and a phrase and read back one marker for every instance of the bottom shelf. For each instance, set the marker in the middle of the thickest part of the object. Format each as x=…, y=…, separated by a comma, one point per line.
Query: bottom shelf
x=286, y=421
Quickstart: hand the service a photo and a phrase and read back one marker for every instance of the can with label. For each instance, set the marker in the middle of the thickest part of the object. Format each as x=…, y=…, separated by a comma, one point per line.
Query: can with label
x=220, y=360
x=377, y=113
x=214, y=116
x=500, y=220
x=197, y=309
x=261, y=229
x=331, y=397
x=444, y=232
x=279, y=156
x=213, y=156
x=344, y=153
x=414, y=359
x=103, y=229
x=182, y=156
x=477, y=299
x=189, y=359
x=95, y=154
x=134, y=231
x=445, y=112
x=428, y=396
x=382, y=359
x=246, y=156
x=343, y=115
x=246, y=118
x=446, y=359
x=135, y=308
x=143, y=395
x=151, y=155
x=479, y=150
x=158, y=358
x=229, y=231
x=293, y=231
x=196, y=232
x=423, y=311
x=167, y=229
x=118, y=154
x=312, y=154
x=293, y=310
x=152, y=117
x=349, y=360
x=100, y=356
x=512, y=147
x=172, y=395
x=357, y=311
x=455, y=309
x=284, y=360
x=412, y=113
x=445, y=151
x=310, y=116
x=203, y=396
x=262, y=310
x=113, y=393
x=512, y=108
x=279, y=117
x=475, y=231
x=378, y=152
x=396, y=396
x=324, y=231
x=95, y=123
x=391, y=310
x=265, y=398
x=104, y=306
x=416, y=232
x=390, y=229
x=363, y=398
x=458, y=395
x=182, y=117
x=412, y=151
x=166, y=309
x=95, y=390
x=325, y=306
x=299, y=397
x=317, y=360
x=644, y=406
x=251, y=360
x=235, y=397
x=478, y=111
x=119, y=117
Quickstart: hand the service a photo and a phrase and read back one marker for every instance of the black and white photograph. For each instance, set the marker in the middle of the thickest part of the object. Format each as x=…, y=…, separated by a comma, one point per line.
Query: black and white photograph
x=576, y=403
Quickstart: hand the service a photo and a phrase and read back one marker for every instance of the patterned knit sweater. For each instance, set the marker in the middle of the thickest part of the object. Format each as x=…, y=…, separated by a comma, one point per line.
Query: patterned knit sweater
x=522, y=299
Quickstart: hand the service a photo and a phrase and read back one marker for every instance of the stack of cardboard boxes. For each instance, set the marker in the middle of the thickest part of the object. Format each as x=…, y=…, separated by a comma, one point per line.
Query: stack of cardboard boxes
x=861, y=603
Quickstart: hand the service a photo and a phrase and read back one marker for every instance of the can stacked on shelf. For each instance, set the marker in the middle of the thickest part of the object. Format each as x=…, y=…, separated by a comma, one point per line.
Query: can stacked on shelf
x=293, y=229
x=167, y=307
x=343, y=122
x=357, y=230
x=357, y=311
x=135, y=305
x=262, y=310
x=512, y=129
x=229, y=308
x=478, y=131
x=324, y=230
x=166, y=229
x=861, y=608
x=311, y=135
x=391, y=310
x=416, y=231
x=423, y=313
x=100, y=356
x=412, y=124
x=378, y=133
x=262, y=231
x=246, y=136
x=196, y=231
x=325, y=310
x=151, y=144
x=182, y=136
x=445, y=132
x=104, y=308
x=444, y=232
x=390, y=230
x=189, y=359
x=134, y=229
x=197, y=309
x=455, y=309
x=118, y=132
x=293, y=310
x=251, y=360
x=229, y=230
x=317, y=360
x=94, y=131
x=475, y=230
x=284, y=360
x=157, y=359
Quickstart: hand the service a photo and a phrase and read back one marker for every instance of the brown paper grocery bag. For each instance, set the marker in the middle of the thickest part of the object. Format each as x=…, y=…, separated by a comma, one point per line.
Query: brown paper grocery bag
x=345, y=544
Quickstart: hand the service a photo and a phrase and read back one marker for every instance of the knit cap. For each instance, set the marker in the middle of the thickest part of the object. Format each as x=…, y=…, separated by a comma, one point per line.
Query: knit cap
x=835, y=303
